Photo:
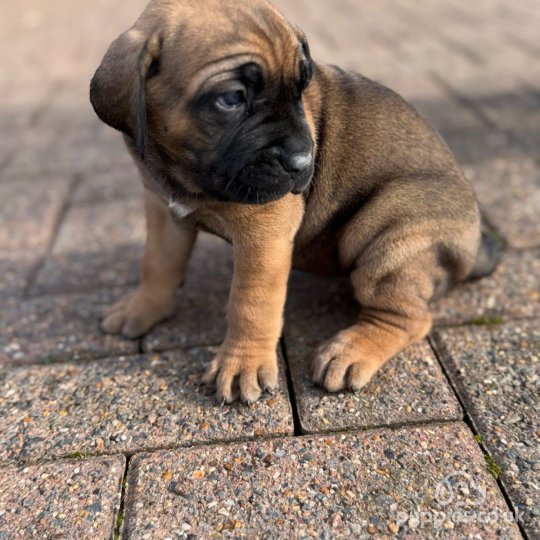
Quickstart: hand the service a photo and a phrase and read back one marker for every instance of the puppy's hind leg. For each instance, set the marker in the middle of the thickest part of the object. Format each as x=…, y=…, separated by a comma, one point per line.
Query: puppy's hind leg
x=166, y=255
x=394, y=313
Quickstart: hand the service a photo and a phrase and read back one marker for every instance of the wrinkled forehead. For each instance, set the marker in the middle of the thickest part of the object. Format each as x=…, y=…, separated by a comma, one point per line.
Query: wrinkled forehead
x=204, y=41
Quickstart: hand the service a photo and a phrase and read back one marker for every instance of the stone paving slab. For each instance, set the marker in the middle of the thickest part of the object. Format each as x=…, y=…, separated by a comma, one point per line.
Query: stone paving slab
x=509, y=103
x=474, y=147
x=43, y=150
x=51, y=329
x=101, y=227
x=15, y=272
x=39, y=32
x=497, y=373
x=86, y=271
x=52, y=83
x=410, y=388
x=125, y=404
x=107, y=185
x=28, y=213
x=509, y=191
x=366, y=485
x=513, y=291
x=66, y=499
x=200, y=319
x=98, y=246
x=505, y=102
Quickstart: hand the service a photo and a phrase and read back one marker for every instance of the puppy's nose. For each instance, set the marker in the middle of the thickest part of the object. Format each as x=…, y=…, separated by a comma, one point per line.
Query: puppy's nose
x=297, y=162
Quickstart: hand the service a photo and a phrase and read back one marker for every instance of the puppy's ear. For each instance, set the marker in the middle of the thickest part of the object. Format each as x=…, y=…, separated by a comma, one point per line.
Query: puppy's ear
x=306, y=68
x=118, y=88
x=306, y=65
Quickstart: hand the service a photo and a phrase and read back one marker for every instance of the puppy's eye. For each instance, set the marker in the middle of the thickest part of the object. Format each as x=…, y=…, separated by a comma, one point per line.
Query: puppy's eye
x=230, y=101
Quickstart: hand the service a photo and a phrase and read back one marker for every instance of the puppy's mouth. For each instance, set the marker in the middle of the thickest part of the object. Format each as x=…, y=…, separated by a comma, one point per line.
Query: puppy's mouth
x=261, y=182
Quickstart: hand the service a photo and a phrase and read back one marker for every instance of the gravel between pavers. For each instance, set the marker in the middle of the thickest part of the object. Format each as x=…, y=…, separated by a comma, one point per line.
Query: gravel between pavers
x=352, y=486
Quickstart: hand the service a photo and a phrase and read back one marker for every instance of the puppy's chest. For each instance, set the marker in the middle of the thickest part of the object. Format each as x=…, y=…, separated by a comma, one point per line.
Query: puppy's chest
x=192, y=214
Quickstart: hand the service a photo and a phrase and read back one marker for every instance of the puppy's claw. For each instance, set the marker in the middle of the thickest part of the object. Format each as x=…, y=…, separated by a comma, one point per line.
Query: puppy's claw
x=224, y=389
x=249, y=387
x=336, y=366
x=358, y=377
x=134, y=328
x=323, y=357
x=113, y=322
x=235, y=378
x=268, y=377
x=134, y=315
x=210, y=376
x=335, y=379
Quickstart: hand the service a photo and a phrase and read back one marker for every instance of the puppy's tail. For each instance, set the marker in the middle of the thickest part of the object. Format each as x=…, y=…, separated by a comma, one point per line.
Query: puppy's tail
x=489, y=254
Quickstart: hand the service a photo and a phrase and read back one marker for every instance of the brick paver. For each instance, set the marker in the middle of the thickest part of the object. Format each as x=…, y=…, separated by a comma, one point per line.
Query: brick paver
x=512, y=292
x=114, y=183
x=496, y=370
x=410, y=388
x=66, y=499
x=98, y=245
x=351, y=486
x=125, y=404
x=16, y=270
x=29, y=212
x=71, y=235
x=51, y=329
x=509, y=194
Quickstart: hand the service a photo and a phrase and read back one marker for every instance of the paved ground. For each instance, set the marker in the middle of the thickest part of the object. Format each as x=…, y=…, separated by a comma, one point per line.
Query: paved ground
x=103, y=437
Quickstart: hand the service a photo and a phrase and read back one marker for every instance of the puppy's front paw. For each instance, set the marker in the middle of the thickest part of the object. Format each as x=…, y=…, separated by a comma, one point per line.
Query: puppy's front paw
x=135, y=314
x=239, y=373
x=339, y=365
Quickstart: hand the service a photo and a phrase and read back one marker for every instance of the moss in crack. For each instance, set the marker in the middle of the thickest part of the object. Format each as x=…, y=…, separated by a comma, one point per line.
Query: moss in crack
x=118, y=524
x=50, y=359
x=487, y=321
x=77, y=455
x=120, y=515
x=492, y=466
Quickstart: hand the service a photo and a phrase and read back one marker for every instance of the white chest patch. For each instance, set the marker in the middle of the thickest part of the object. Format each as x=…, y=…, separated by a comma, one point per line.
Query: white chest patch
x=180, y=210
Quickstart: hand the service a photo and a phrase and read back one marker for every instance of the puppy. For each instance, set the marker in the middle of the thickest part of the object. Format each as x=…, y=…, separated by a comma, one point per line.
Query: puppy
x=237, y=131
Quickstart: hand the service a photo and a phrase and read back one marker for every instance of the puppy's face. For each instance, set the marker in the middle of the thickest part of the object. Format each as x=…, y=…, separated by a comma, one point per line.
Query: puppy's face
x=249, y=139
x=224, y=104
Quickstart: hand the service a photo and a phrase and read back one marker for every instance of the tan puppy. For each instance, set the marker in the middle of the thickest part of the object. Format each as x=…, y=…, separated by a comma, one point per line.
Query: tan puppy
x=237, y=131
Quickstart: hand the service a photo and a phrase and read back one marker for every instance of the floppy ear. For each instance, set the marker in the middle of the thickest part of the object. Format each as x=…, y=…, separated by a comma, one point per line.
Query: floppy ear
x=306, y=67
x=307, y=64
x=118, y=88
